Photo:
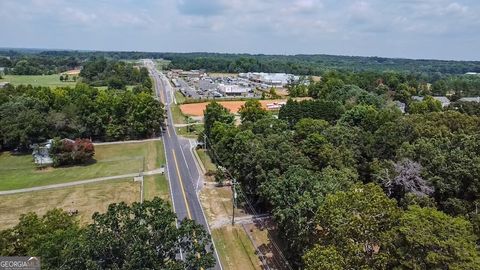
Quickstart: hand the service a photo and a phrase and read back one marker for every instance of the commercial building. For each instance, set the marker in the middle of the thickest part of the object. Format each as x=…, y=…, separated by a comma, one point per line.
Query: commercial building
x=232, y=89
x=272, y=79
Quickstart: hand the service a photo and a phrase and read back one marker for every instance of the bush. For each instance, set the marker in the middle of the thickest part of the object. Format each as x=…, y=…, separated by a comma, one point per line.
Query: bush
x=68, y=152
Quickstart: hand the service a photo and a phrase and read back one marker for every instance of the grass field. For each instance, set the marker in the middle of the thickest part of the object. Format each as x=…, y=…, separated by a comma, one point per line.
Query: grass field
x=87, y=199
x=37, y=80
x=235, y=249
x=180, y=97
x=206, y=160
x=197, y=129
x=178, y=116
x=115, y=159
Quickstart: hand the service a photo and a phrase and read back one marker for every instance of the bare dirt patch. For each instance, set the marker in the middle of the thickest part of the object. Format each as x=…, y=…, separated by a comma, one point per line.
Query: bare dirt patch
x=196, y=109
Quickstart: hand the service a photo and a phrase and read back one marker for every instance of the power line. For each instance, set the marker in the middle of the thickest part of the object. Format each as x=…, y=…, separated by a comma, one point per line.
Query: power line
x=250, y=206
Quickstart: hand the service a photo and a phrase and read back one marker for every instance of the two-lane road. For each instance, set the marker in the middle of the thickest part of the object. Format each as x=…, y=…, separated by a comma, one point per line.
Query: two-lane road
x=182, y=170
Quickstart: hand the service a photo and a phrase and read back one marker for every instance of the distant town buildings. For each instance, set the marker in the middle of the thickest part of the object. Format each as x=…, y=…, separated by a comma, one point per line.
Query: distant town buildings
x=271, y=79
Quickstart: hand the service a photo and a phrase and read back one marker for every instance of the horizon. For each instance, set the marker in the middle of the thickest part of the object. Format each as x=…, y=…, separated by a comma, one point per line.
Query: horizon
x=232, y=53
x=420, y=29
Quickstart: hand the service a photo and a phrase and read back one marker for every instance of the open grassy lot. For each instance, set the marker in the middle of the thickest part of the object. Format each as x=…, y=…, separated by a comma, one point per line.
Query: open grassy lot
x=87, y=199
x=180, y=97
x=235, y=249
x=178, y=116
x=192, y=133
x=37, y=80
x=113, y=159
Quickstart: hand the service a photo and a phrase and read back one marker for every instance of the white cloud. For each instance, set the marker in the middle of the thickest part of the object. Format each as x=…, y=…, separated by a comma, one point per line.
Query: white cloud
x=293, y=26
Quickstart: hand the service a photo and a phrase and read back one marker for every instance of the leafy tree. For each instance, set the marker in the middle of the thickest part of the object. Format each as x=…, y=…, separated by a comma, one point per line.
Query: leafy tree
x=351, y=225
x=428, y=104
x=215, y=112
x=22, y=122
x=142, y=236
x=428, y=239
x=295, y=198
x=252, y=111
x=48, y=237
x=67, y=152
x=139, y=236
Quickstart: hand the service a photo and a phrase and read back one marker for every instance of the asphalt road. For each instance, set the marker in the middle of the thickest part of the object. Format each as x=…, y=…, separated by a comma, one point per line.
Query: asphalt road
x=181, y=168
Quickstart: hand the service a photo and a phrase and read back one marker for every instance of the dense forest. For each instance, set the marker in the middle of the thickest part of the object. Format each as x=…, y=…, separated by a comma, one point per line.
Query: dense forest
x=114, y=74
x=296, y=64
x=352, y=183
x=17, y=63
x=394, y=85
x=34, y=114
x=138, y=236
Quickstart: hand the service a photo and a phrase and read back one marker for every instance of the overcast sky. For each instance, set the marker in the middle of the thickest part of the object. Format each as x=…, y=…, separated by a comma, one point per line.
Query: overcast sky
x=440, y=29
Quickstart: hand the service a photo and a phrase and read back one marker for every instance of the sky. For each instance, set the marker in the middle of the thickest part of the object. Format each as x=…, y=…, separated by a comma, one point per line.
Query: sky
x=426, y=29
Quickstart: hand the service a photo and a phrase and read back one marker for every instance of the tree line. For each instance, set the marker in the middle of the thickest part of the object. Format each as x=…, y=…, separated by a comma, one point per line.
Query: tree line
x=395, y=85
x=114, y=74
x=317, y=64
x=352, y=183
x=27, y=64
x=34, y=114
x=138, y=236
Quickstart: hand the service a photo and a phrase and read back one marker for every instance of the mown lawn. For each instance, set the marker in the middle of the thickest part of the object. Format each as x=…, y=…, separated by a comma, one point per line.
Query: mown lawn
x=37, y=80
x=178, y=116
x=86, y=199
x=192, y=133
x=180, y=97
x=116, y=159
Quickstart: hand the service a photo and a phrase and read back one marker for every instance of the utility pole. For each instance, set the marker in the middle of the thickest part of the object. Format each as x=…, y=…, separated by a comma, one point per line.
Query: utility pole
x=234, y=200
x=205, y=141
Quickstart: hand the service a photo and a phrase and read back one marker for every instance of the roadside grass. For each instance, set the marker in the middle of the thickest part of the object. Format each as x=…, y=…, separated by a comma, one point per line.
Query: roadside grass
x=235, y=249
x=178, y=116
x=37, y=80
x=113, y=159
x=263, y=236
x=206, y=160
x=87, y=199
x=156, y=186
x=196, y=129
x=180, y=97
